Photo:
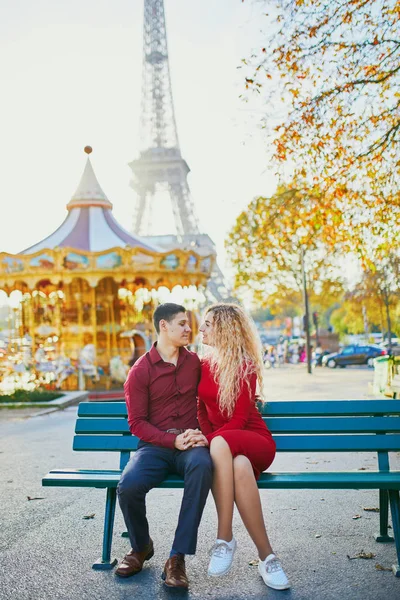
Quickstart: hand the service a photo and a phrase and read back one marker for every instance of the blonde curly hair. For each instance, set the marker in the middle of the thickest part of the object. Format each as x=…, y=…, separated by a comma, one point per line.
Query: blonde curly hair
x=236, y=353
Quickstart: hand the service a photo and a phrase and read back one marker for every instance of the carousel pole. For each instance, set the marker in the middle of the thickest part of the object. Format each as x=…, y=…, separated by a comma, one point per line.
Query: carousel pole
x=78, y=298
x=112, y=315
x=114, y=335
x=94, y=322
x=107, y=303
x=108, y=339
x=57, y=308
x=31, y=320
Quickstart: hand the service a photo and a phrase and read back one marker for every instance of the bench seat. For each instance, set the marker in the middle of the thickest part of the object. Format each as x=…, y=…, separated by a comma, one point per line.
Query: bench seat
x=365, y=480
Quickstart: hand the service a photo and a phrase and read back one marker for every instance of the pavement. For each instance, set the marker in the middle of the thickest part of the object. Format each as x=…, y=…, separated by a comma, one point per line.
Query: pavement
x=47, y=547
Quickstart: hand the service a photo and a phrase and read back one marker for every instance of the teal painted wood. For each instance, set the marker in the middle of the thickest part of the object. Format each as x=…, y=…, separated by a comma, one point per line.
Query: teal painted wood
x=274, y=424
x=337, y=443
x=333, y=424
x=102, y=409
x=332, y=408
x=284, y=443
x=322, y=480
x=97, y=426
x=284, y=408
x=105, y=443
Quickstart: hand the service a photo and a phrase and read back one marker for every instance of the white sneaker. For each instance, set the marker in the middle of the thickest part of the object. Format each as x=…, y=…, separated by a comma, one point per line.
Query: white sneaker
x=272, y=573
x=221, y=557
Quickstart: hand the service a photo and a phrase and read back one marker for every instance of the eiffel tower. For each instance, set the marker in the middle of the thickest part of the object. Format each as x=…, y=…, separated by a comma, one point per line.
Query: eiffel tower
x=160, y=165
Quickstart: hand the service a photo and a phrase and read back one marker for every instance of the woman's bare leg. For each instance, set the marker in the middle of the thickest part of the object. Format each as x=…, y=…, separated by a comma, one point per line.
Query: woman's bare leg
x=247, y=498
x=222, y=487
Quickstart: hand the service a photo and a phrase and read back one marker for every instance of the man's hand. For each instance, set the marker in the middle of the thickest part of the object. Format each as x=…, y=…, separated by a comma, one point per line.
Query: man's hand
x=195, y=439
x=181, y=442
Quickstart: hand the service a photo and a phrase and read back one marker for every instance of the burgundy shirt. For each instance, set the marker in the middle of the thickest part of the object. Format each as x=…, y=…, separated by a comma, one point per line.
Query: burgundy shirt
x=161, y=396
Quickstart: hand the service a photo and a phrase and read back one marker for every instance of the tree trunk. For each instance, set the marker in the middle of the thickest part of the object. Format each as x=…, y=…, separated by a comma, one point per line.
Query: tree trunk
x=386, y=299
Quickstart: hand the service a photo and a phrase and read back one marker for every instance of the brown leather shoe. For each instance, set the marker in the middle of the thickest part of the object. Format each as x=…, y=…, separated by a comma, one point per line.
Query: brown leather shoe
x=132, y=562
x=174, y=574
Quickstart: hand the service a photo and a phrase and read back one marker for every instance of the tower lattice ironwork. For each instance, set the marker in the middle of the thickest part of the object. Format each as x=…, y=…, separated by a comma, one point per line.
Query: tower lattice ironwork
x=160, y=165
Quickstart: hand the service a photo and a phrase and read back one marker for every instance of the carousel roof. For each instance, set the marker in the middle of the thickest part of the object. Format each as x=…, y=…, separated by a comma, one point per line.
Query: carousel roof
x=90, y=224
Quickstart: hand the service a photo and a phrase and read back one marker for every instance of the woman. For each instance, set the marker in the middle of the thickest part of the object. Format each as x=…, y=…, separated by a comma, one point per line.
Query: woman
x=240, y=444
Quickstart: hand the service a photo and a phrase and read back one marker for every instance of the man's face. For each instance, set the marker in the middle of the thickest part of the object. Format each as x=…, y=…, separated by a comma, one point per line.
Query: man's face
x=177, y=331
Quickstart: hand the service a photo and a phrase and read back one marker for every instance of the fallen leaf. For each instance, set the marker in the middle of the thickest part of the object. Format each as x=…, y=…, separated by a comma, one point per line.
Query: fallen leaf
x=317, y=535
x=362, y=469
x=371, y=508
x=356, y=517
x=294, y=508
x=322, y=499
x=34, y=498
x=379, y=567
x=253, y=563
x=91, y=516
x=312, y=462
x=362, y=554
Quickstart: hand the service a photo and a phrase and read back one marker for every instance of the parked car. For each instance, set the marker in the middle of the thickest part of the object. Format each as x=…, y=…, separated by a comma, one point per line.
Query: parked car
x=395, y=351
x=353, y=355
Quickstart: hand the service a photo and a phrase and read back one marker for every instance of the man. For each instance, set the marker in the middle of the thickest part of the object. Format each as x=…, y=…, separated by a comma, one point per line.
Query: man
x=160, y=394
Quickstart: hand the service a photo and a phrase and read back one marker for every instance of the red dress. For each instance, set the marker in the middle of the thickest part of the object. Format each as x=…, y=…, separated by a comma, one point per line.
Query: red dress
x=245, y=432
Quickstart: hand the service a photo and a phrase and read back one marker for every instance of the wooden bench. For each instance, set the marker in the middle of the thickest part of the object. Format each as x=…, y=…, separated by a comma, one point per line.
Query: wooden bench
x=297, y=426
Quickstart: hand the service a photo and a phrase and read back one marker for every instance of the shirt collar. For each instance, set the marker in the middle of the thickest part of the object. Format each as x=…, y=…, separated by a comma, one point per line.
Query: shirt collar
x=156, y=358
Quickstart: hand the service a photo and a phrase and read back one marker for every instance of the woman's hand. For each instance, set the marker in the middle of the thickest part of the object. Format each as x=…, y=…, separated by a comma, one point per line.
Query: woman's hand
x=195, y=439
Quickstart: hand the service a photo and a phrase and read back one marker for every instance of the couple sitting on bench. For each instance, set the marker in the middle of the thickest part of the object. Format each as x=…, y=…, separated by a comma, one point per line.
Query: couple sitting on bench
x=227, y=454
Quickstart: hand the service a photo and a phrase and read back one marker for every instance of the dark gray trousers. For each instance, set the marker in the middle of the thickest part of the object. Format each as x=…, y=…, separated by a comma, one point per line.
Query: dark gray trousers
x=147, y=468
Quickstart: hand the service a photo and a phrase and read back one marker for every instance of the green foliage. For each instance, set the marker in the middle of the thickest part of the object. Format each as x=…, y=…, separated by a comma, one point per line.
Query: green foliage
x=38, y=395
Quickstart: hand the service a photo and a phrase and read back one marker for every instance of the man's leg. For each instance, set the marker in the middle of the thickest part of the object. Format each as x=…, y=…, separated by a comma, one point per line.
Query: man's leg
x=195, y=467
x=148, y=467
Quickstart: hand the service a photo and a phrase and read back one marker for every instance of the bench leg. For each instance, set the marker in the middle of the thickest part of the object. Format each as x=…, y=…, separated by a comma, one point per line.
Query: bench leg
x=105, y=562
x=395, y=510
x=383, y=535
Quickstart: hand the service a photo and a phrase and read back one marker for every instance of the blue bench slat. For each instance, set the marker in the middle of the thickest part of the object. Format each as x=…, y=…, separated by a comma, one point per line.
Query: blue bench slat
x=102, y=409
x=97, y=426
x=325, y=480
x=105, y=443
x=284, y=443
x=275, y=425
x=332, y=408
x=284, y=408
x=337, y=443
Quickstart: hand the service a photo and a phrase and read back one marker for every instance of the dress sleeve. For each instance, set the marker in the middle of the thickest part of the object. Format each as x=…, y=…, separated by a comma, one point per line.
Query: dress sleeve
x=241, y=412
x=202, y=417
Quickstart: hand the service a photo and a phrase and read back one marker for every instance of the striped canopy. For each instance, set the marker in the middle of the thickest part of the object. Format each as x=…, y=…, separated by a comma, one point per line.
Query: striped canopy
x=90, y=224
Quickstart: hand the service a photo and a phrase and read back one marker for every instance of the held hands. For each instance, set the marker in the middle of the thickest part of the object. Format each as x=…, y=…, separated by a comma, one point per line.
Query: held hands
x=191, y=438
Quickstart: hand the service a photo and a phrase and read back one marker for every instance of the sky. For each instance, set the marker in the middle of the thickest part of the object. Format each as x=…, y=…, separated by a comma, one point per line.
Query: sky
x=70, y=73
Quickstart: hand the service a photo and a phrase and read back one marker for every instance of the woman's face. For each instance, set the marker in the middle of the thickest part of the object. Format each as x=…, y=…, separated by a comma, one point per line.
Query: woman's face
x=207, y=329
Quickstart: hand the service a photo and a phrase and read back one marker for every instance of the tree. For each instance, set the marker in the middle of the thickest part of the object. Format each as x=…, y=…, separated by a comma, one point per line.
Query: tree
x=384, y=282
x=336, y=65
x=371, y=305
x=270, y=237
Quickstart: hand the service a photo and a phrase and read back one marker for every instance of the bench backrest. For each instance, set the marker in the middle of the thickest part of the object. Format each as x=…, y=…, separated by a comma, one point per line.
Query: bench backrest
x=297, y=426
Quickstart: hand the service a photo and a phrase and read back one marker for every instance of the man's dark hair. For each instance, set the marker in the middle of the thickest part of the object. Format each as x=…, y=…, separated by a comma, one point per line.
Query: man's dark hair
x=166, y=311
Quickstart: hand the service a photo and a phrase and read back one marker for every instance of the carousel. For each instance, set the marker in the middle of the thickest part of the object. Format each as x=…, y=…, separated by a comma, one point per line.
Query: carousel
x=86, y=294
